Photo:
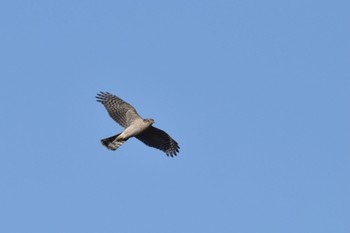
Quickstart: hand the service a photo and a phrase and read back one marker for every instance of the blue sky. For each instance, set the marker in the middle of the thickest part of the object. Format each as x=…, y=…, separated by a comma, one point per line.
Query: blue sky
x=255, y=92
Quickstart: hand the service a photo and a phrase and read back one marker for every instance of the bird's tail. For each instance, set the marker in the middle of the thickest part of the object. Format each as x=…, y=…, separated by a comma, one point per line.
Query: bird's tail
x=111, y=142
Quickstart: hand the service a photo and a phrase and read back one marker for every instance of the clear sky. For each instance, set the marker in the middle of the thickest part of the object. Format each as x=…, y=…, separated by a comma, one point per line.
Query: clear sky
x=256, y=93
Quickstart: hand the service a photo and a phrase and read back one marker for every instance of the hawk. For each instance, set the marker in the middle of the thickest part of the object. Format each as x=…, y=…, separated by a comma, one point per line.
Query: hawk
x=134, y=126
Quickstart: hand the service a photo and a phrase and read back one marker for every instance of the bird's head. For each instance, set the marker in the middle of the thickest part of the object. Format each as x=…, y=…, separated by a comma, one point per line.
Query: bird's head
x=150, y=121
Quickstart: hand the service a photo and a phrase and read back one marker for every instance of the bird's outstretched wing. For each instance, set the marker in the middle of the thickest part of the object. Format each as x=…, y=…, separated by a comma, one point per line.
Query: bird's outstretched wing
x=122, y=112
x=159, y=139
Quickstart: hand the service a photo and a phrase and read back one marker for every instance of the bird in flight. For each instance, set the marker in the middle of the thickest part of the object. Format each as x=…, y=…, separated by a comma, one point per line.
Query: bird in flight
x=134, y=126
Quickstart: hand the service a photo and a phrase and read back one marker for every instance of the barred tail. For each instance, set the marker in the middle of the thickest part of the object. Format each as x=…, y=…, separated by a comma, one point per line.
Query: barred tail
x=111, y=142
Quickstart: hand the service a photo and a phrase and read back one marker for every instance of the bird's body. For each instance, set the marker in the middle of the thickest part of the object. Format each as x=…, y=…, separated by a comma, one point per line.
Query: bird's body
x=134, y=126
x=134, y=129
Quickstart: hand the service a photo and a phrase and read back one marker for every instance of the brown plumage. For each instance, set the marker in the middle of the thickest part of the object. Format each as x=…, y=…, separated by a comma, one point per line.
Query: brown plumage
x=134, y=126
